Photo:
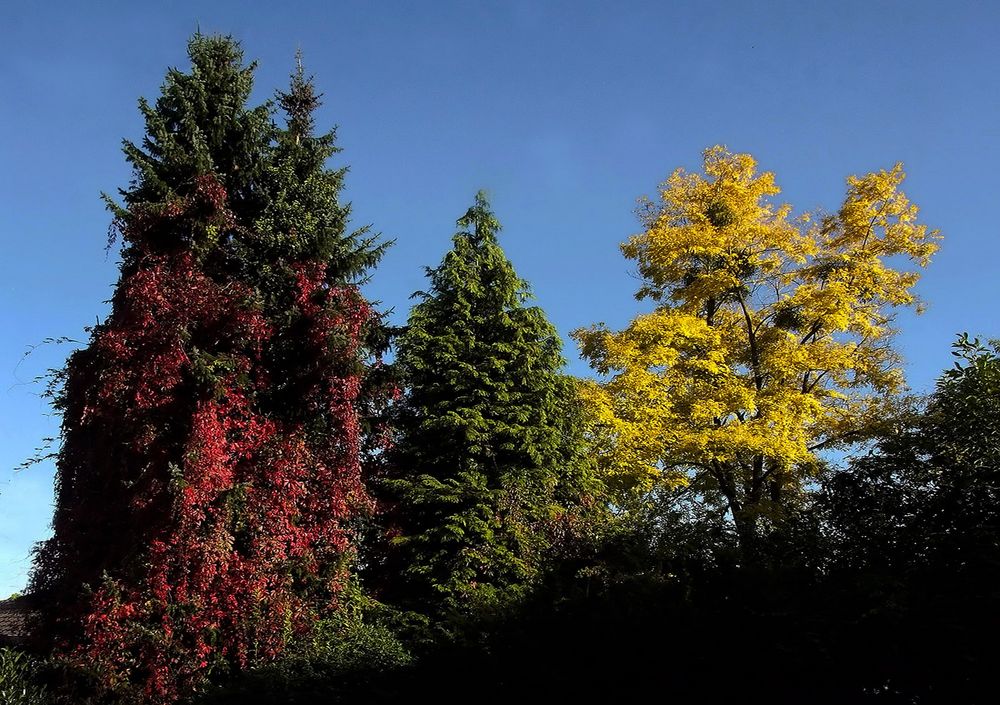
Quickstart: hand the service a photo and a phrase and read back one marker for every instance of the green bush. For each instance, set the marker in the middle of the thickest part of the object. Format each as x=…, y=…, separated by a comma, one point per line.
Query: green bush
x=344, y=657
x=19, y=679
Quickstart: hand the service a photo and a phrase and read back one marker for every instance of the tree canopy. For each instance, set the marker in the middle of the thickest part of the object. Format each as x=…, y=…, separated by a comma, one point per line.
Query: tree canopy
x=209, y=475
x=252, y=506
x=771, y=338
x=488, y=434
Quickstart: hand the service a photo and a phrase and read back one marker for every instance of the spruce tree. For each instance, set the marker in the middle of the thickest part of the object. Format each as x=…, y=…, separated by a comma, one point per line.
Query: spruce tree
x=209, y=471
x=486, y=459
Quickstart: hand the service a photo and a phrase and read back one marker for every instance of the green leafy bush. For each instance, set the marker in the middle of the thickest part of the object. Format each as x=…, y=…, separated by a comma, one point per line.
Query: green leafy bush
x=346, y=656
x=18, y=679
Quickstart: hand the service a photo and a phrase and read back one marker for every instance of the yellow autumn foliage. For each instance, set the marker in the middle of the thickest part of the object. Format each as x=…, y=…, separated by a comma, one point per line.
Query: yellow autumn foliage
x=771, y=339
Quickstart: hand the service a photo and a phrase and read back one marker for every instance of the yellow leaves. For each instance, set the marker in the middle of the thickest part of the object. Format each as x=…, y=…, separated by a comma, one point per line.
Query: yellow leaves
x=771, y=336
x=723, y=224
x=626, y=450
x=877, y=218
x=657, y=339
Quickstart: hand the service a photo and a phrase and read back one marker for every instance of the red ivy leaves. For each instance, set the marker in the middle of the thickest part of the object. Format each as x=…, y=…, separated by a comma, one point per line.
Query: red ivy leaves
x=238, y=517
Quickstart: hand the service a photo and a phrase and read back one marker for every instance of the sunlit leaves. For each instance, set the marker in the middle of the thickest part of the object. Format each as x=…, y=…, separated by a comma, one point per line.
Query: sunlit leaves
x=772, y=337
x=487, y=455
x=209, y=479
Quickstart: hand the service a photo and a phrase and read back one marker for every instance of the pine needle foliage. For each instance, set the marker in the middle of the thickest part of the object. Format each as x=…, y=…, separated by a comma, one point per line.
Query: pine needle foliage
x=486, y=465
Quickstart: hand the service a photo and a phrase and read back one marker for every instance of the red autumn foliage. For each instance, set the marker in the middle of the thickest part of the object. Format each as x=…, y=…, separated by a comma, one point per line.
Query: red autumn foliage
x=209, y=525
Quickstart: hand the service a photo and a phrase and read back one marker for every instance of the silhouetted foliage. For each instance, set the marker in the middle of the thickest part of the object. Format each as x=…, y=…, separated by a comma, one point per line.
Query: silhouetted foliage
x=914, y=536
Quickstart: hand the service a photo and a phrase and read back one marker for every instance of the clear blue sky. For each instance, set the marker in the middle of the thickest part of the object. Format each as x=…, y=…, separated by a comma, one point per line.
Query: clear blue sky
x=565, y=111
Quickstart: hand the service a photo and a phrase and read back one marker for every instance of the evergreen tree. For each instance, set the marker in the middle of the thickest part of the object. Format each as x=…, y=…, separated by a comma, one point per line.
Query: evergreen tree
x=486, y=459
x=209, y=469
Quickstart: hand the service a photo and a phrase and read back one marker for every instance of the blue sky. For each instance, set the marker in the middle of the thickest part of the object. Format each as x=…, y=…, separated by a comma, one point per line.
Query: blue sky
x=566, y=112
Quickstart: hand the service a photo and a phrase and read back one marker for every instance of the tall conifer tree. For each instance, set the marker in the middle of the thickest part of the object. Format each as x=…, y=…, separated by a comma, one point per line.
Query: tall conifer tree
x=486, y=459
x=209, y=468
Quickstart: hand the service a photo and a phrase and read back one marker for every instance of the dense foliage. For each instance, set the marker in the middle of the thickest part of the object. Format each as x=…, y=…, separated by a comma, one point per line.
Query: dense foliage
x=252, y=508
x=771, y=339
x=209, y=472
x=913, y=537
x=486, y=467
x=19, y=679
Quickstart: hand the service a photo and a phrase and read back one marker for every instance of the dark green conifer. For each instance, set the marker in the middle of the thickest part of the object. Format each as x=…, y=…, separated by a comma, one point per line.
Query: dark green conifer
x=304, y=216
x=486, y=461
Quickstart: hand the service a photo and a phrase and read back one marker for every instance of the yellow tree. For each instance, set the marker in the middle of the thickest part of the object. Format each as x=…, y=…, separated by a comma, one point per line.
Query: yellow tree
x=771, y=339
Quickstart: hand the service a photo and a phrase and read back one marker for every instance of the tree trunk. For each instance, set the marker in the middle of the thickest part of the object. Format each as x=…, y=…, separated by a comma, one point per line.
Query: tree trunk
x=747, y=531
